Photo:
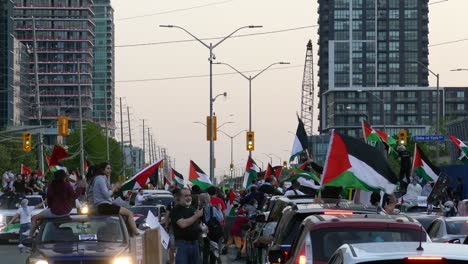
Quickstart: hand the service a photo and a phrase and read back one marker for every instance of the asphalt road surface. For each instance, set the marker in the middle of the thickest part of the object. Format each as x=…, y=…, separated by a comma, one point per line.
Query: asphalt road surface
x=11, y=254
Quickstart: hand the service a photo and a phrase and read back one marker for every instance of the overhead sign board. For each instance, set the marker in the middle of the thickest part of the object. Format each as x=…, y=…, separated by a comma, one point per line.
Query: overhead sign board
x=429, y=138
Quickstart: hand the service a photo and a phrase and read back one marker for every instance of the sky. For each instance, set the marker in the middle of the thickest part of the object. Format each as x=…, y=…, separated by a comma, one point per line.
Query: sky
x=171, y=104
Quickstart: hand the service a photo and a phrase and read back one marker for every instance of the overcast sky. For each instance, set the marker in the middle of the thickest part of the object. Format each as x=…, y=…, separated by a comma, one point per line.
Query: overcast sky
x=171, y=106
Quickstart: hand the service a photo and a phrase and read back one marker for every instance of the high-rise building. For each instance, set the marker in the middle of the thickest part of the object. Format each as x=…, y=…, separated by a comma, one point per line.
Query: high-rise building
x=371, y=52
x=14, y=71
x=64, y=33
x=103, y=69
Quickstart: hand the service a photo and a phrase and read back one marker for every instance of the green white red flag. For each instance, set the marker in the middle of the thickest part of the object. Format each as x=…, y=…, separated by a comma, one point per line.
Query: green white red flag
x=423, y=167
x=461, y=147
x=25, y=170
x=269, y=171
x=353, y=163
x=251, y=172
x=198, y=177
x=374, y=135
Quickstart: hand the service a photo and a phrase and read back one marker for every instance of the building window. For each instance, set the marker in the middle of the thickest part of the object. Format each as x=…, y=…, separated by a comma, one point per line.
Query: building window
x=394, y=35
x=341, y=3
x=400, y=120
x=460, y=94
x=342, y=14
x=400, y=107
x=425, y=108
x=387, y=107
x=357, y=14
x=411, y=94
x=393, y=67
x=394, y=14
x=460, y=107
x=394, y=46
x=411, y=14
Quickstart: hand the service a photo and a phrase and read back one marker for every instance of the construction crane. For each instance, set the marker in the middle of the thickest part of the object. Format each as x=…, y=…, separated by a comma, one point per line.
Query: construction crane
x=307, y=99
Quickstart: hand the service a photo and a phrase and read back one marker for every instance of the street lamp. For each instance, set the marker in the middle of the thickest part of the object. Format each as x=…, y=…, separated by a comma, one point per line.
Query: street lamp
x=438, y=105
x=279, y=158
x=232, y=152
x=461, y=69
x=211, y=47
x=250, y=79
x=382, y=100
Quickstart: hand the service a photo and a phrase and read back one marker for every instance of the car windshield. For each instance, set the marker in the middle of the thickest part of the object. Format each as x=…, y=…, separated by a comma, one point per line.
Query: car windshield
x=326, y=241
x=459, y=227
x=103, y=229
x=155, y=200
x=143, y=210
x=33, y=201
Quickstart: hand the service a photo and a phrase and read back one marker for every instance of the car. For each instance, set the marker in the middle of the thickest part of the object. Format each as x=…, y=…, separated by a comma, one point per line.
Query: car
x=159, y=199
x=141, y=212
x=148, y=193
x=319, y=236
x=400, y=253
x=82, y=238
x=424, y=218
x=448, y=229
x=8, y=208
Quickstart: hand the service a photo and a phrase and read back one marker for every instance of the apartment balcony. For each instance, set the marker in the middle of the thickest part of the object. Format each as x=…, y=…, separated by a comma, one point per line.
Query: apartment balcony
x=406, y=112
x=60, y=29
x=59, y=40
x=62, y=61
x=48, y=94
x=55, y=7
x=60, y=83
x=67, y=51
x=61, y=73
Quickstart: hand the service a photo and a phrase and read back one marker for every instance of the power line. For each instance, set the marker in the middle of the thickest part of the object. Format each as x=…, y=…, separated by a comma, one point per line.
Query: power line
x=199, y=76
x=175, y=10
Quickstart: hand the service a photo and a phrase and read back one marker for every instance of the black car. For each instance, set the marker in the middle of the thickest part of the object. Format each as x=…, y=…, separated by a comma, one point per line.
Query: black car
x=82, y=238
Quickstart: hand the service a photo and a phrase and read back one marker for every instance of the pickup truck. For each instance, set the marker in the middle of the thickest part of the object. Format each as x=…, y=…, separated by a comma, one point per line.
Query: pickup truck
x=8, y=208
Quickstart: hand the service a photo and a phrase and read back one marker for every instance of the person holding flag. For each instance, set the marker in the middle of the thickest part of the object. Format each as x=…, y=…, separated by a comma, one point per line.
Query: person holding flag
x=102, y=196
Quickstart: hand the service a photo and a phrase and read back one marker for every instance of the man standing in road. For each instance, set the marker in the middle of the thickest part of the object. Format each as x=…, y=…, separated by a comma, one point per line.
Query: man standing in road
x=185, y=221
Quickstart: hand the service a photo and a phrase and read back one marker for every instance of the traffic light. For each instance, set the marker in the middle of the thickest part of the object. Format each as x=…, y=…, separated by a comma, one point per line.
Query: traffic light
x=62, y=126
x=250, y=141
x=27, y=142
x=208, y=128
x=402, y=137
x=161, y=165
x=285, y=163
x=231, y=167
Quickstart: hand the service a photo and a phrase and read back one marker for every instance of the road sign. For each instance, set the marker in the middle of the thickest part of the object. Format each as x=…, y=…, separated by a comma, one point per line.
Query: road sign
x=429, y=138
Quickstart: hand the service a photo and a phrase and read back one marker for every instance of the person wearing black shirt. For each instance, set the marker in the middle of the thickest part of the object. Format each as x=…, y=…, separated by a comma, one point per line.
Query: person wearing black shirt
x=186, y=224
x=19, y=185
x=405, y=168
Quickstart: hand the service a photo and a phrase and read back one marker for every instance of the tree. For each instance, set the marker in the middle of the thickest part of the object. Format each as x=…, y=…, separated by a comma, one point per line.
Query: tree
x=94, y=148
x=12, y=154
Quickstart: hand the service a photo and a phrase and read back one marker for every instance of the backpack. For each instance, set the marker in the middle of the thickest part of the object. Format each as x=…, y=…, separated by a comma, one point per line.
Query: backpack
x=215, y=230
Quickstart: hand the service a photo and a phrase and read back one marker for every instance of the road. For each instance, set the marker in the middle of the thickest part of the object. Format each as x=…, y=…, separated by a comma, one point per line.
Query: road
x=11, y=254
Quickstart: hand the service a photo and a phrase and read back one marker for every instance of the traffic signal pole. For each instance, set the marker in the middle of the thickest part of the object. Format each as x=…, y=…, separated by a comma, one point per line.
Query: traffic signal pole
x=38, y=99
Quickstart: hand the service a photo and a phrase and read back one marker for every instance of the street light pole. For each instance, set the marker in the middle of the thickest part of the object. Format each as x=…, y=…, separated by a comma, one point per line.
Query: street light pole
x=232, y=149
x=271, y=159
x=250, y=79
x=211, y=48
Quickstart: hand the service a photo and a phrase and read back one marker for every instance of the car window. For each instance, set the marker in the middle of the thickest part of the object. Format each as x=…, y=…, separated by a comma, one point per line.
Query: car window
x=289, y=229
x=33, y=201
x=166, y=201
x=143, y=210
x=434, y=229
x=99, y=229
x=336, y=259
x=457, y=227
x=327, y=240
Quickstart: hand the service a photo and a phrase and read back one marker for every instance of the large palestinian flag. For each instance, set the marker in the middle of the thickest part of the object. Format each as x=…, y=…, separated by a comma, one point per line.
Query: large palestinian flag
x=251, y=172
x=198, y=177
x=140, y=179
x=353, y=163
x=423, y=167
x=270, y=171
x=462, y=147
x=300, y=141
x=370, y=134
x=177, y=178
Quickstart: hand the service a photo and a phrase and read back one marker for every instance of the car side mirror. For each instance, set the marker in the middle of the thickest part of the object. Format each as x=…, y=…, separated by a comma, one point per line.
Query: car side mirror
x=454, y=241
x=277, y=256
x=28, y=242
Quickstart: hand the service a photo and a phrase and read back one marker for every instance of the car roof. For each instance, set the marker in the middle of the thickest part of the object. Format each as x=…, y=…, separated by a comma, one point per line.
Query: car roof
x=156, y=192
x=400, y=250
x=318, y=207
x=319, y=221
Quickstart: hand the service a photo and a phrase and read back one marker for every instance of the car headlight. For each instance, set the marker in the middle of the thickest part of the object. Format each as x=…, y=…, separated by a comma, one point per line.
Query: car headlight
x=38, y=261
x=84, y=210
x=122, y=260
x=1, y=219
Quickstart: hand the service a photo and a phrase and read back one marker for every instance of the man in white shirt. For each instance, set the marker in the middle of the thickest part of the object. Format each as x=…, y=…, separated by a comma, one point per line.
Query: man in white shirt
x=294, y=190
x=139, y=199
x=413, y=191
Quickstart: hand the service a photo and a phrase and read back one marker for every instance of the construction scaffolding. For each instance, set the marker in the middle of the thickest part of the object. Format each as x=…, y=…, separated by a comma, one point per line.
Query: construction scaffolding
x=307, y=99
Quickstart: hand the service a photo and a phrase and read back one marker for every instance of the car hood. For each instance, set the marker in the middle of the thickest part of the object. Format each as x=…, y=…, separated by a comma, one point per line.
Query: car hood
x=79, y=249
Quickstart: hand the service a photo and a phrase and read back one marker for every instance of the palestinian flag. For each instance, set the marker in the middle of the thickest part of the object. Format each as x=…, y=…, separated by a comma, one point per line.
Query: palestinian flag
x=278, y=170
x=25, y=170
x=177, y=178
x=305, y=178
x=57, y=154
x=300, y=141
x=39, y=173
x=353, y=163
x=423, y=167
x=167, y=183
x=140, y=179
x=198, y=177
x=251, y=172
x=52, y=168
x=370, y=134
x=462, y=147
x=230, y=210
x=269, y=171
x=390, y=142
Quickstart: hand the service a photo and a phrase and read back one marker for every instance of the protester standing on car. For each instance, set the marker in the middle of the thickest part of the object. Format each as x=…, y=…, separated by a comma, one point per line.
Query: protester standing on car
x=405, y=166
x=210, y=213
x=186, y=223
x=24, y=214
x=60, y=199
x=102, y=196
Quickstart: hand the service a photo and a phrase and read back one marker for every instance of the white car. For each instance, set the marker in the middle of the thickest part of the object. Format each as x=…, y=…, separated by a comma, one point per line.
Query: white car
x=400, y=252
